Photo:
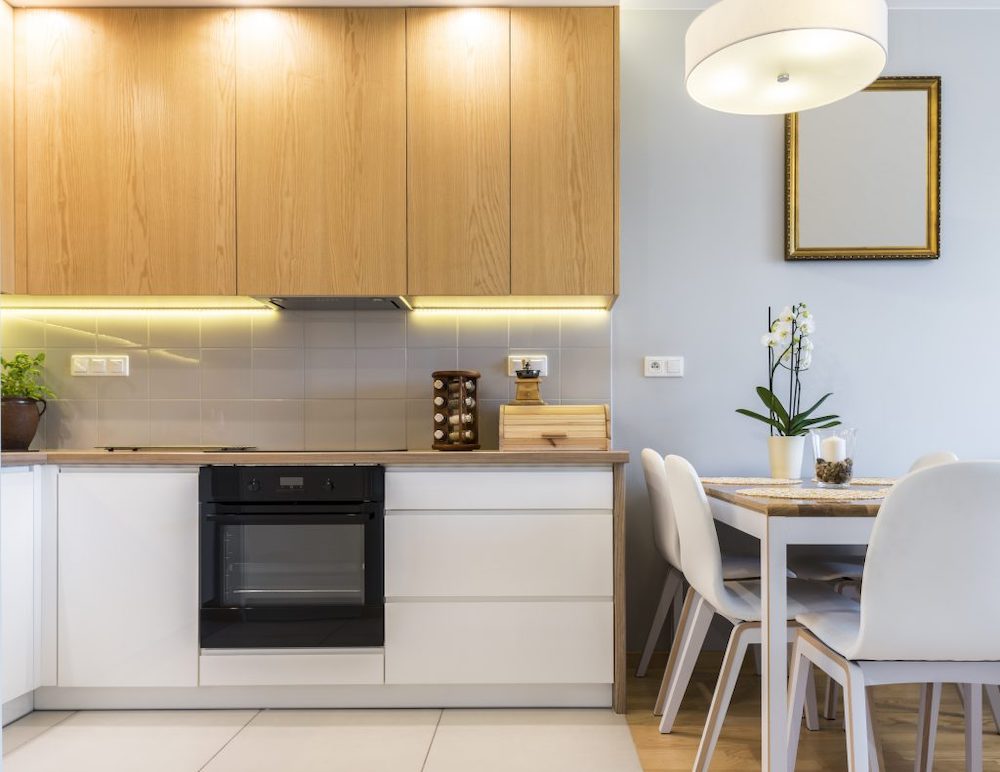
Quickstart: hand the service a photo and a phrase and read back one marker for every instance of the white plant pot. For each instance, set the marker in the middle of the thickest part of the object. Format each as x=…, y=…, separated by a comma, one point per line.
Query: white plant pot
x=785, y=455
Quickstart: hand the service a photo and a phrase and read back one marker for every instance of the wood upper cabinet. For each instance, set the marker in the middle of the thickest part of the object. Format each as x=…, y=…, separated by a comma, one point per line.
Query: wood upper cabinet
x=563, y=159
x=321, y=151
x=458, y=150
x=126, y=123
x=7, y=265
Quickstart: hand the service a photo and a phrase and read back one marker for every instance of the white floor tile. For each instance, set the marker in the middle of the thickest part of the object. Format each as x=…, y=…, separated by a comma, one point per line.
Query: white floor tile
x=532, y=741
x=127, y=741
x=31, y=726
x=330, y=741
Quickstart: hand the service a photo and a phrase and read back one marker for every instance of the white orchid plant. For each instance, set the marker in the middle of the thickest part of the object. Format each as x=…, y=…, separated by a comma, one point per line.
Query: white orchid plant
x=789, y=346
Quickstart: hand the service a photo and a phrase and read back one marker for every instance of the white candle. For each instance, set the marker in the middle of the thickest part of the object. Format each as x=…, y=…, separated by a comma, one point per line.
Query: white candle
x=833, y=449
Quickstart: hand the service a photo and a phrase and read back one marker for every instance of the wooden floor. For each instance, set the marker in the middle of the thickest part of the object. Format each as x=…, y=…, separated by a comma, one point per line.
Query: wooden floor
x=739, y=745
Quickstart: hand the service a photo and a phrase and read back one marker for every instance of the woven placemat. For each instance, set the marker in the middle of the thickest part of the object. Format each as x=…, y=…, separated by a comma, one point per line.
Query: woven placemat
x=819, y=494
x=880, y=481
x=748, y=481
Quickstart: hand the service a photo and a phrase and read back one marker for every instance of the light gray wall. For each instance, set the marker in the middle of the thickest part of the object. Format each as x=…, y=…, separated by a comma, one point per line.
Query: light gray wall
x=908, y=348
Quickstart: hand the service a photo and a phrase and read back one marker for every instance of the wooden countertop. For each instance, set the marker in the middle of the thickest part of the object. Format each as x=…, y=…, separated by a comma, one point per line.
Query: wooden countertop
x=302, y=458
x=794, y=507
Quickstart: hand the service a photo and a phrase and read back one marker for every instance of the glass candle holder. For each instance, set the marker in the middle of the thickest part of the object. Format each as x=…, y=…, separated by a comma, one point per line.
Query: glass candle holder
x=833, y=450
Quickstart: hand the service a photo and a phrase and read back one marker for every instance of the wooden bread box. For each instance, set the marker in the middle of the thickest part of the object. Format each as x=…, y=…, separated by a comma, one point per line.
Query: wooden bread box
x=555, y=427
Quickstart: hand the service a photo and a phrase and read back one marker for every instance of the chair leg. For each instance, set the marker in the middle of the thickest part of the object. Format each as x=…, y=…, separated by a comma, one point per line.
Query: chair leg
x=701, y=617
x=960, y=688
x=927, y=721
x=876, y=758
x=830, y=699
x=757, y=665
x=856, y=720
x=731, y=664
x=799, y=676
x=670, y=585
x=812, y=710
x=992, y=692
x=973, y=727
x=680, y=636
x=678, y=607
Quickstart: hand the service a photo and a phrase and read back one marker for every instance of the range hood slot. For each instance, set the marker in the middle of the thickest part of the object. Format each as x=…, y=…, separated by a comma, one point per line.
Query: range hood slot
x=327, y=303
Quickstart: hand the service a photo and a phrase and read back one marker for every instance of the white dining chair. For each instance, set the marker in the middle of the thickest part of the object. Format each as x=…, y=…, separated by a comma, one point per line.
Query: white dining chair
x=832, y=694
x=665, y=537
x=915, y=625
x=739, y=601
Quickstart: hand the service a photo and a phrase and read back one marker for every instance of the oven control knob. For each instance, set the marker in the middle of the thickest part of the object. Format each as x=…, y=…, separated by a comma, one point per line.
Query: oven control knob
x=254, y=484
x=328, y=484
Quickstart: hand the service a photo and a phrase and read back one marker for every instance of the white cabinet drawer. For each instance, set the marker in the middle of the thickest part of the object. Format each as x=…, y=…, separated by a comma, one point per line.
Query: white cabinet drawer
x=499, y=642
x=463, y=488
x=291, y=669
x=498, y=554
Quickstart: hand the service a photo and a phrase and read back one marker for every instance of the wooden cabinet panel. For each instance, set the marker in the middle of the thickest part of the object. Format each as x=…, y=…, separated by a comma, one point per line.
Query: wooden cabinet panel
x=321, y=151
x=458, y=150
x=129, y=151
x=562, y=151
x=6, y=147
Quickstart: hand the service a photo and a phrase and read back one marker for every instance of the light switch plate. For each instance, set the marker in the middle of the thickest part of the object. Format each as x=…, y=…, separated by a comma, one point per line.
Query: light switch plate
x=99, y=365
x=538, y=362
x=663, y=367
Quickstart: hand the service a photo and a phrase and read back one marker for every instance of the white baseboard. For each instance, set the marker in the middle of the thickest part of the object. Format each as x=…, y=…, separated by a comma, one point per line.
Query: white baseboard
x=383, y=696
x=18, y=707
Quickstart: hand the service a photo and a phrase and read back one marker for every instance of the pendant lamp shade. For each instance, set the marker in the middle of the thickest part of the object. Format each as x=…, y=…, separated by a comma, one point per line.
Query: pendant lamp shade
x=766, y=57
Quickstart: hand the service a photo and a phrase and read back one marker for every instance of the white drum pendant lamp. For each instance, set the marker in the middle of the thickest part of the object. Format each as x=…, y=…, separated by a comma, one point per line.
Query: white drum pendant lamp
x=766, y=57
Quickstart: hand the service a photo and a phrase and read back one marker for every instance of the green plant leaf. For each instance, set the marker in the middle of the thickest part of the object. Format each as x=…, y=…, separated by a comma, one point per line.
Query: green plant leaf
x=799, y=423
x=773, y=403
x=810, y=411
x=759, y=417
x=829, y=425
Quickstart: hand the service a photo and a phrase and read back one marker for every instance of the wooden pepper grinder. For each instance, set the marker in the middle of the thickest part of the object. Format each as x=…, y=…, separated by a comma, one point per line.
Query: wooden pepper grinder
x=527, y=383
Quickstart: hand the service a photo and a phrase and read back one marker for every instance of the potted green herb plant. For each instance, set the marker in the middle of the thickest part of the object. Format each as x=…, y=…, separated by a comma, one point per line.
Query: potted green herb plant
x=789, y=347
x=23, y=400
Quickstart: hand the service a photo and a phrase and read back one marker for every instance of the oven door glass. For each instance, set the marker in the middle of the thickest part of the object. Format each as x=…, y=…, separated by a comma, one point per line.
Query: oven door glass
x=297, y=565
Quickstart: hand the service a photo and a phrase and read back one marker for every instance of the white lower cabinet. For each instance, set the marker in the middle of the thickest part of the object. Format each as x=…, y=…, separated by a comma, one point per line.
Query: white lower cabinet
x=499, y=642
x=128, y=577
x=499, y=576
x=17, y=581
x=292, y=668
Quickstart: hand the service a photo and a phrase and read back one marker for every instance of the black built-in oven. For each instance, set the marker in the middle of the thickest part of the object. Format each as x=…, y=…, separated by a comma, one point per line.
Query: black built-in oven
x=291, y=556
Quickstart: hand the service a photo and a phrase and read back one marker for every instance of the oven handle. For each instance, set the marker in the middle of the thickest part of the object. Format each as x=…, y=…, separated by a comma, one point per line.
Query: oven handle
x=289, y=518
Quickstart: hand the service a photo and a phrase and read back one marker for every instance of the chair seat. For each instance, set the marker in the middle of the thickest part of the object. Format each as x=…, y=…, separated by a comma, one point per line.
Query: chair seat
x=740, y=566
x=823, y=570
x=744, y=599
x=838, y=630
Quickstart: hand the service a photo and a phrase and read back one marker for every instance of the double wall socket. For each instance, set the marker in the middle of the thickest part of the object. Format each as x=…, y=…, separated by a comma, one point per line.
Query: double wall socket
x=538, y=362
x=663, y=367
x=99, y=365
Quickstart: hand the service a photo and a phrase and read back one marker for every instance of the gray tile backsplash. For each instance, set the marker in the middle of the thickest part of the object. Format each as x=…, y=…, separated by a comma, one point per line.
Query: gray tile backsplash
x=291, y=380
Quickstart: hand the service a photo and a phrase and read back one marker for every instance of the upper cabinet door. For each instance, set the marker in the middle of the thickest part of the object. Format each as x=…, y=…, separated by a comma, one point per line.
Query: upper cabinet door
x=321, y=151
x=458, y=117
x=128, y=142
x=563, y=157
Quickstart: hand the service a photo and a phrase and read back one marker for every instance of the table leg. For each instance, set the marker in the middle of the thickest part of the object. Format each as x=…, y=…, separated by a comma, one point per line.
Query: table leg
x=774, y=649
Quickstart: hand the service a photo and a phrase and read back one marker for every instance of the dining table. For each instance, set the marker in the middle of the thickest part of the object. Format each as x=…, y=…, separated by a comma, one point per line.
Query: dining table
x=778, y=523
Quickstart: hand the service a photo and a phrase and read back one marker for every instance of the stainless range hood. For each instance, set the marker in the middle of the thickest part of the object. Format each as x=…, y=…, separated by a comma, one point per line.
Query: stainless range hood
x=325, y=303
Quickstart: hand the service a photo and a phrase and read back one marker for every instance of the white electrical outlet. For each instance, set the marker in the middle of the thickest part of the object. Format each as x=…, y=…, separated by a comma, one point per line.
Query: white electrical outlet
x=99, y=365
x=663, y=367
x=538, y=362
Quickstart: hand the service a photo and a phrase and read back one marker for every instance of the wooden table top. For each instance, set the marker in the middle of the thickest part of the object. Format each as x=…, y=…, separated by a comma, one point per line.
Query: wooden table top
x=795, y=507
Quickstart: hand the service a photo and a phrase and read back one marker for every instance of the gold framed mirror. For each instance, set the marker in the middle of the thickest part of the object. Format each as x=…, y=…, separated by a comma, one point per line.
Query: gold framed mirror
x=862, y=175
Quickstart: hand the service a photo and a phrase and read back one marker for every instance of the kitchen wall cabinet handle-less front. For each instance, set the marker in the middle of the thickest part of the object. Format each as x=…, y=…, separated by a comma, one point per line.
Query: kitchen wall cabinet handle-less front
x=128, y=578
x=125, y=123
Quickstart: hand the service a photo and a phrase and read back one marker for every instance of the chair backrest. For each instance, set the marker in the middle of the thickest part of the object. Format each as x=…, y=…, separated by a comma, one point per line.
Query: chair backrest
x=664, y=523
x=930, y=588
x=934, y=459
x=701, y=558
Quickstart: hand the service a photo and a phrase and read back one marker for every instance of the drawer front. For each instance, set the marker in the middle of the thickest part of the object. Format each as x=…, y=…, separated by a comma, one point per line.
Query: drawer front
x=462, y=488
x=298, y=669
x=493, y=554
x=499, y=642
